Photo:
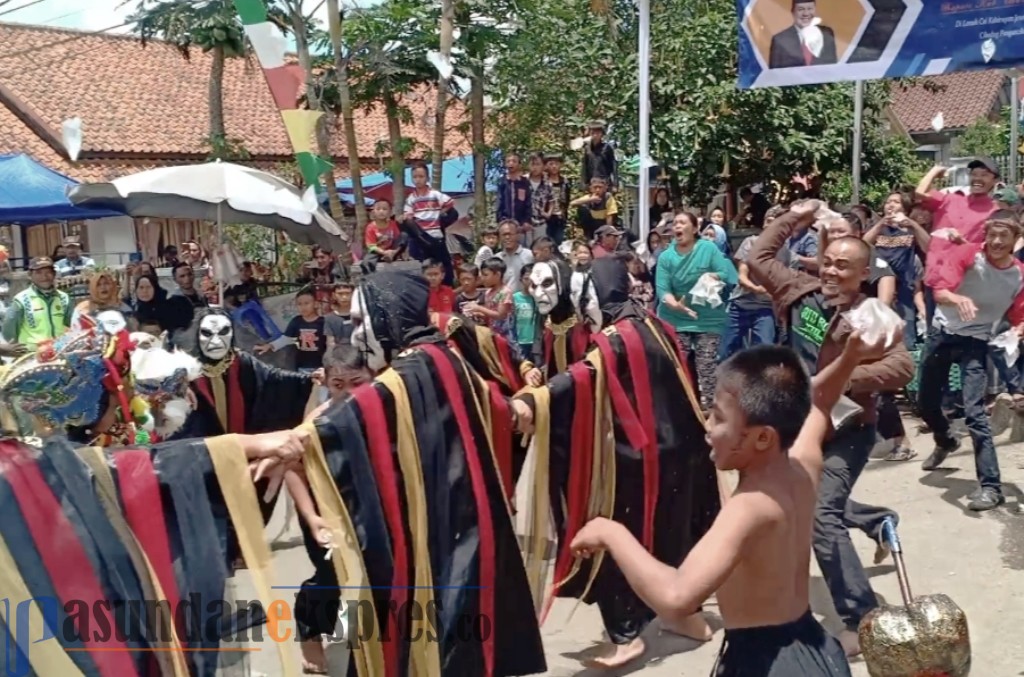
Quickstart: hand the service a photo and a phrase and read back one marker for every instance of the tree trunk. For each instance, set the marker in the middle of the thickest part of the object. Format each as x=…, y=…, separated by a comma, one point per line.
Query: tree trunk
x=216, y=100
x=397, y=163
x=476, y=97
x=348, y=120
x=447, y=37
x=323, y=126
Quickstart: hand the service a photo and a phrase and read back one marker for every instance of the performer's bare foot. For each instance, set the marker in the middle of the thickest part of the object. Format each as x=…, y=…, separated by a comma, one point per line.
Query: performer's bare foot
x=314, y=661
x=850, y=642
x=615, y=655
x=693, y=627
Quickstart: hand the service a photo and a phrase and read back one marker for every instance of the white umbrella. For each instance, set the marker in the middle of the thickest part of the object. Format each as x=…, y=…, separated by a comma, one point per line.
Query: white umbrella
x=218, y=191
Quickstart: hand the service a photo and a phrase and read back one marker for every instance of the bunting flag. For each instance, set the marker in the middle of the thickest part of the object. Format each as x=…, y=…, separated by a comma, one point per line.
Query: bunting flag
x=284, y=81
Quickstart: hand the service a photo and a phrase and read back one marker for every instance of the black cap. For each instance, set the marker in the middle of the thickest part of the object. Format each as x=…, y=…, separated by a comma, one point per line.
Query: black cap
x=597, y=124
x=548, y=157
x=985, y=163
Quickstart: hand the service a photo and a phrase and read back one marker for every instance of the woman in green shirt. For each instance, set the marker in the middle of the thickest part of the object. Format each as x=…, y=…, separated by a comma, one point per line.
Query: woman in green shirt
x=699, y=327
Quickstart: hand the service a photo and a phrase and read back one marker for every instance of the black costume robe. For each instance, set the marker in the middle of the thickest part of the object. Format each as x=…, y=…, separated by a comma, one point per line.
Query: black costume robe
x=411, y=454
x=260, y=398
x=656, y=477
x=491, y=356
x=565, y=337
x=110, y=528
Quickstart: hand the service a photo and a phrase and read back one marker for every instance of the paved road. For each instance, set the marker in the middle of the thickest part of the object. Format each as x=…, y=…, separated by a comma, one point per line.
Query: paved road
x=975, y=559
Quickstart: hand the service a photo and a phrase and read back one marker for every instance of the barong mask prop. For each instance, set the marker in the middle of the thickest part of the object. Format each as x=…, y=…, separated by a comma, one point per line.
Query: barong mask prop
x=928, y=635
x=64, y=382
x=162, y=378
x=389, y=313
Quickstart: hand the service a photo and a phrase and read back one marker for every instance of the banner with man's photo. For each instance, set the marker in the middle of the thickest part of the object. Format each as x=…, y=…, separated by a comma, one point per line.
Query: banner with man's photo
x=801, y=42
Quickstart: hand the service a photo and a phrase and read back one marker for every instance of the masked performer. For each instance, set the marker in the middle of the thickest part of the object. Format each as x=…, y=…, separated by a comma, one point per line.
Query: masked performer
x=413, y=458
x=619, y=434
x=111, y=528
x=237, y=393
x=565, y=337
x=491, y=356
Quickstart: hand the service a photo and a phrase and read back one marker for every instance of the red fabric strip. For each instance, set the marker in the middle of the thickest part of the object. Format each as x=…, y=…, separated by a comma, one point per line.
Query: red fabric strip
x=673, y=340
x=485, y=524
x=512, y=375
x=378, y=444
x=579, y=336
x=140, y=495
x=581, y=460
x=620, y=401
x=637, y=357
x=203, y=386
x=501, y=431
x=236, y=399
x=63, y=556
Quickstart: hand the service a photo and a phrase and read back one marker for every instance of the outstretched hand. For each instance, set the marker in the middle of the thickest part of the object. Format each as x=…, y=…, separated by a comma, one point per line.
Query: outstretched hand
x=535, y=378
x=862, y=351
x=284, y=445
x=591, y=538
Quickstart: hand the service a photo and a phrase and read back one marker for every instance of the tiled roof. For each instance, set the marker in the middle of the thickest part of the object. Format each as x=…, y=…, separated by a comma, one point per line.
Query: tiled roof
x=146, y=106
x=967, y=97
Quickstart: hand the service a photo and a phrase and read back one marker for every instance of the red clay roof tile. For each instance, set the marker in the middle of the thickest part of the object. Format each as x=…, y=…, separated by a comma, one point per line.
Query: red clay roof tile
x=967, y=97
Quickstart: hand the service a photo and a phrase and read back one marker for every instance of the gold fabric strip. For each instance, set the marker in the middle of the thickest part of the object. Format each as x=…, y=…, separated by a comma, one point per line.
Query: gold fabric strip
x=171, y=662
x=560, y=350
x=46, y=658
x=232, y=469
x=485, y=342
x=220, y=400
x=347, y=557
x=425, y=656
x=539, y=508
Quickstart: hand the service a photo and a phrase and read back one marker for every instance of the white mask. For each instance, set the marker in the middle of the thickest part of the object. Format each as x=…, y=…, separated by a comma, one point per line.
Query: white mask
x=111, y=322
x=216, y=336
x=545, y=281
x=363, y=336
x=589, y=305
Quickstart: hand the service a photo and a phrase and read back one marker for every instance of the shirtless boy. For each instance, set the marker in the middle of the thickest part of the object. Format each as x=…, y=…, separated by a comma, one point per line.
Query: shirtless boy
x=767, y=425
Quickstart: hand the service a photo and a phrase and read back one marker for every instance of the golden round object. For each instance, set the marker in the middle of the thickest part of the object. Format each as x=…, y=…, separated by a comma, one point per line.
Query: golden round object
x=927, y=638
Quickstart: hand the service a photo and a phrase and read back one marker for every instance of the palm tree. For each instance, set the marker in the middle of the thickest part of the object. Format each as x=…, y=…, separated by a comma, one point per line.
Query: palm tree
x=447, y=38
x=212, y=26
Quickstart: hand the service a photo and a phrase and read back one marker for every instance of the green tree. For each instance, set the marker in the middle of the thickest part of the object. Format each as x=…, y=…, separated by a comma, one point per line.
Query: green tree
x=212, y=26
x=566, y=66
x=985, y=137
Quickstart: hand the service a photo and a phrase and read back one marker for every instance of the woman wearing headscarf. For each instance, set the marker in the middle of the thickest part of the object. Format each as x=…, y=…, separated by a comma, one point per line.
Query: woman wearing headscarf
x=104, y=294
x=150, y=308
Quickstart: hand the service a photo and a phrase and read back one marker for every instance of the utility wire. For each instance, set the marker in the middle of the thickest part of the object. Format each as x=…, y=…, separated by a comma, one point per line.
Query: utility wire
x=15, y=9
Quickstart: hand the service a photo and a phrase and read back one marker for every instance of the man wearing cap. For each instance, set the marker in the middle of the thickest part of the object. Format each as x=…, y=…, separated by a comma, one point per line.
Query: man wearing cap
x=1007, y=198
x=40, y=312
x=607, y=241
x=73, y=263
x=598, y=157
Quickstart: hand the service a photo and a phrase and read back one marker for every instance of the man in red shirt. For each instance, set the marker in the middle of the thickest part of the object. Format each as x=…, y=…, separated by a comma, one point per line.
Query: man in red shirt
x=442, y=297
x=963, y=213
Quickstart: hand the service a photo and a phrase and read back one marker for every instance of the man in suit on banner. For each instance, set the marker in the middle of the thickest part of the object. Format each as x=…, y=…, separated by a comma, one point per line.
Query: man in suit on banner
x=805, y=43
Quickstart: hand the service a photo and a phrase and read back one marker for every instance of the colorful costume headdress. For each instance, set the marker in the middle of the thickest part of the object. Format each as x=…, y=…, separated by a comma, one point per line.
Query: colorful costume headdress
x=64, y=381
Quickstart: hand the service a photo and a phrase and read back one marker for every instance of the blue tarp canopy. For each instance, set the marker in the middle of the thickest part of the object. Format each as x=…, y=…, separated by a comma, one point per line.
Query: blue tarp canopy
x=32, y=193
x=456, y=178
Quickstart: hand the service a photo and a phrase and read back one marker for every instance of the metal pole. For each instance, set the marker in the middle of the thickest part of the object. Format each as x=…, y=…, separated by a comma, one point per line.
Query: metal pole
x=644, y=50
x=1014, y=128
x=858, y=137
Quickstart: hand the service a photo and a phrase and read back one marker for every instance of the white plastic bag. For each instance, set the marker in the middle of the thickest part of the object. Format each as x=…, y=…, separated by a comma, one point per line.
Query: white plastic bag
x=1009, y=341
x=226, y=263
x=707, y=291
x=875, y=321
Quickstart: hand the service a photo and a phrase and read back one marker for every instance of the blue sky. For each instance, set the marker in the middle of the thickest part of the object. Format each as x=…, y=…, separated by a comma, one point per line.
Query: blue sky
x=95, y=15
